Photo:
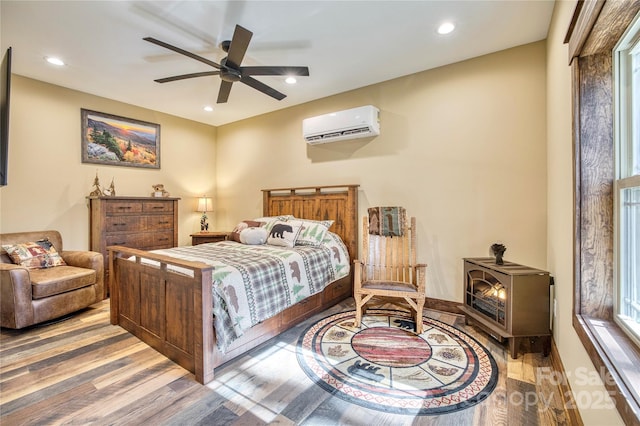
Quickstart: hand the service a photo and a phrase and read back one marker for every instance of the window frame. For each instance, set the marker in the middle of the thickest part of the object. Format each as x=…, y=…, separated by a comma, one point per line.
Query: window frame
x=624, y=153
x=631, y=329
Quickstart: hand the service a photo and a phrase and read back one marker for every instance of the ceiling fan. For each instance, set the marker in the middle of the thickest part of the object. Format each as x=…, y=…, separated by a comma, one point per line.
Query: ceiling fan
x=230, y=70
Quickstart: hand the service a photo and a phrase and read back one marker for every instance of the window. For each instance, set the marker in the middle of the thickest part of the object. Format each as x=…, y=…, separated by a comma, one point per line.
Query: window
x=601, y=98
x=627, y=183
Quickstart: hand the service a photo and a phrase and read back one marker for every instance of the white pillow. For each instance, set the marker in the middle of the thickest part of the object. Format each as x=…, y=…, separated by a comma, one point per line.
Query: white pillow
x=253, y=236
x=235, y=234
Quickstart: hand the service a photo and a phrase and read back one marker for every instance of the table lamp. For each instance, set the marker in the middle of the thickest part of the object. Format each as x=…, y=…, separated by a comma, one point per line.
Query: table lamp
x=204, y=205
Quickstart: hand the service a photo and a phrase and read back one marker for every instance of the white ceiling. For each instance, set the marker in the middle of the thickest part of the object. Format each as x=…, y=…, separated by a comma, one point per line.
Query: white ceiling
x=345, y=44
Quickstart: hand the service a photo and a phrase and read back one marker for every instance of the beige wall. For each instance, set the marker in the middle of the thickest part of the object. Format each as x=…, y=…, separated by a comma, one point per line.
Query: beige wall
x=48, y=182
x=591, y=397
x=462, y=147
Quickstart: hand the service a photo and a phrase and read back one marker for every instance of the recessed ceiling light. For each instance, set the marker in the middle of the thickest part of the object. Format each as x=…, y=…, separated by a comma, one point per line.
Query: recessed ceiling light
x=291, y=80
x=446, y=28
x=208, y=108
x=54, y=61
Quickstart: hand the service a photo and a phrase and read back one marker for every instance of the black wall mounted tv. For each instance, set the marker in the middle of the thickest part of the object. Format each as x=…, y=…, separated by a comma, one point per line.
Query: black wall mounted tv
x=5, y=92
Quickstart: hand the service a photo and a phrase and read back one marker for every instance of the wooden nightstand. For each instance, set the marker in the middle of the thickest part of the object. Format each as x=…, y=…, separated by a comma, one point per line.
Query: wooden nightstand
x=208, y=237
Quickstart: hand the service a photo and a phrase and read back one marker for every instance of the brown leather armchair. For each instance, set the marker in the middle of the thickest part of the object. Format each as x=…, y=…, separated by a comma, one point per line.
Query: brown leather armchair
x=31, y=296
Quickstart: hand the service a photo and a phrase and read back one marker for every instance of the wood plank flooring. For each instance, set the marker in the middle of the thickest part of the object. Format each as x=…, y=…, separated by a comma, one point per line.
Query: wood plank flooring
x=82, y=370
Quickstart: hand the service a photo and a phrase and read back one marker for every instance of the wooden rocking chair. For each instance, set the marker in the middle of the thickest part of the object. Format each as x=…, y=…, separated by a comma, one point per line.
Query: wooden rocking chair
x=389, y=269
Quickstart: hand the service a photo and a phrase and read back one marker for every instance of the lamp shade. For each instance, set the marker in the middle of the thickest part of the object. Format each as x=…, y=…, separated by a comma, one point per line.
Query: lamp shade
x=204, y=205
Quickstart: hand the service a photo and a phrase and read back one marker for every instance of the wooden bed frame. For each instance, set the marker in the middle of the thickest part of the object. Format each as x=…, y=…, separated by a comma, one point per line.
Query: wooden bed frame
x=173, y=312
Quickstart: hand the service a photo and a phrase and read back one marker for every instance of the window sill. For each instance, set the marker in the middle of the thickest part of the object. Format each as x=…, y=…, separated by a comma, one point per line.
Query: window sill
x=616, y=358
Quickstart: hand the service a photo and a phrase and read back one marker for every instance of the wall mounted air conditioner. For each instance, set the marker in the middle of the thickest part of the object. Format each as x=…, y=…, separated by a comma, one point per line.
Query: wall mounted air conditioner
x=352, y=123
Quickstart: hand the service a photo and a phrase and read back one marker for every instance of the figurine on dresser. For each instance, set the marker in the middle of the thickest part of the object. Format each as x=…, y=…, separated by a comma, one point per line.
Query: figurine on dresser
x=97, y=192
x=159, y=191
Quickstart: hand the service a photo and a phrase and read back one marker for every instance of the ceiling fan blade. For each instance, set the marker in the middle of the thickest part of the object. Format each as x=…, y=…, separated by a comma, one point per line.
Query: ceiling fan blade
x=252, y=82
x=182, y=52
x=275, y=70
x=238, y=46
x=223, y=94
x=185, y=76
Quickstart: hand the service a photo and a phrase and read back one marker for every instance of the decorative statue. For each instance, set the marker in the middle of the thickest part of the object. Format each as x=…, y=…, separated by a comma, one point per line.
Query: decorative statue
x=111, y=192
x=498, y=251
x=96, y=192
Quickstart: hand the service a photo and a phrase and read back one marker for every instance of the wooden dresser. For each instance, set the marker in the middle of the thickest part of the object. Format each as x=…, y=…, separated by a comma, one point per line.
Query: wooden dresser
x=144, y=223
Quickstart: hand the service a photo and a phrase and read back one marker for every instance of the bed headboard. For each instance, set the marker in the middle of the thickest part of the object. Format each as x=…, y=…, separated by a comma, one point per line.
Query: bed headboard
x=337, y=202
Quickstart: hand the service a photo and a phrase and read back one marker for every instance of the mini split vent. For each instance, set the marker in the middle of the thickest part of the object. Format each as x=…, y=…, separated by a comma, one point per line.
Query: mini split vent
x=352, y=123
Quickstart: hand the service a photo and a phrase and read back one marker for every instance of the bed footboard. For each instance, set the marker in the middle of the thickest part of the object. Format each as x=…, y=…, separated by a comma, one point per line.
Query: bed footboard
x=171, y=312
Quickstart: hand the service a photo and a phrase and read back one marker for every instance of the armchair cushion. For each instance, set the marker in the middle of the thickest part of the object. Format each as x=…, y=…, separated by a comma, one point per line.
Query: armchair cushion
x=48, y=282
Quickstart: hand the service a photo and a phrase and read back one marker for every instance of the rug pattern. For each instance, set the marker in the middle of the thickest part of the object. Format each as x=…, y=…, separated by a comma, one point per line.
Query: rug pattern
x=385, y=365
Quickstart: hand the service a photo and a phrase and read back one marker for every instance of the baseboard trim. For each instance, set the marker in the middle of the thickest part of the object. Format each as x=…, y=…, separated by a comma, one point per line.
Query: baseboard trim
x=573, y=415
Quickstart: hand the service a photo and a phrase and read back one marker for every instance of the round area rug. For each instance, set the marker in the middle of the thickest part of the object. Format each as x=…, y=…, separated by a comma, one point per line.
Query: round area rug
x=386, y=366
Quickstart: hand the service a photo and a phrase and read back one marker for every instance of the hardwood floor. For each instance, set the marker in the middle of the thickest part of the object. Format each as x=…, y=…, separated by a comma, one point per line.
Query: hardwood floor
x=82, y=370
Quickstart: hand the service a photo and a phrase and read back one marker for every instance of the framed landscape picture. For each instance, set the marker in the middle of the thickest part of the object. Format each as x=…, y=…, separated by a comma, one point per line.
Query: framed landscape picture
x=119, y=141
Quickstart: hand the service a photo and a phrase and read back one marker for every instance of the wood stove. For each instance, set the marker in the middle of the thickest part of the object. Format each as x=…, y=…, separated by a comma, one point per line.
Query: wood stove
x=508, y=301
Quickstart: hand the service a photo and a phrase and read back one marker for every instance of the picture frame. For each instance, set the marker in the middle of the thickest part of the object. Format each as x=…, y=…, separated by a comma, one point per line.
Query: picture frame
x=119, y=141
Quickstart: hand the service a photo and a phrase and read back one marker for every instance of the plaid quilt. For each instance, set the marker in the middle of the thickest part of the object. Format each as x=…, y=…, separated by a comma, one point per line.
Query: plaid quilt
x=252, y=283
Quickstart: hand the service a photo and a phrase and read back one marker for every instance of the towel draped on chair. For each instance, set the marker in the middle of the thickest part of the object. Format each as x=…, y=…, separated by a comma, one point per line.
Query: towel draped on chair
x=387, y=221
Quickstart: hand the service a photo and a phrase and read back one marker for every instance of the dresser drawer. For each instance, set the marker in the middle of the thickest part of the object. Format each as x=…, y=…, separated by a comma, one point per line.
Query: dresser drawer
x=161, y=221
x=134, y=240
x=162, y=239
x=157, y=206
x=123, y=223
x=121, y=207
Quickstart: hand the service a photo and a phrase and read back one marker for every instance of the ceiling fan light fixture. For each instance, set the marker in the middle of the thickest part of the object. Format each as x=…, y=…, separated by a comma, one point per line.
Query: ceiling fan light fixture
x=290, y=80
x=446, y=28
x=231, y=75
x=54, y=61
x=230, y=69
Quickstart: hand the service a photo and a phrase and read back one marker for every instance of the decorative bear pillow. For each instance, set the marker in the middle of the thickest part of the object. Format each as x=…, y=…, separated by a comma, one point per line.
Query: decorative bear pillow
x=269, y=221
x=283, y=233
x=254, y=236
